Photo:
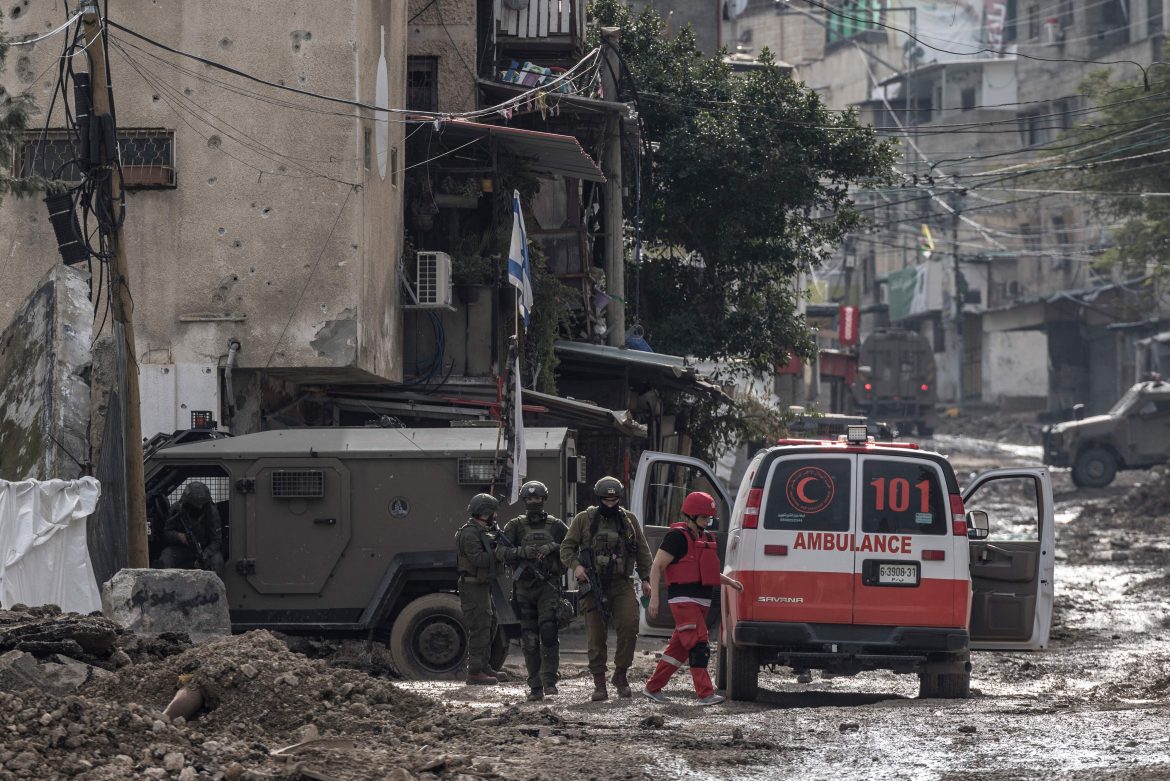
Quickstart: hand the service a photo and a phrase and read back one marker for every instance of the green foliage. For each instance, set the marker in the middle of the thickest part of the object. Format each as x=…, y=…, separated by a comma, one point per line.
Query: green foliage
x=1119, y=151
x=14, y=113
x=748, y=186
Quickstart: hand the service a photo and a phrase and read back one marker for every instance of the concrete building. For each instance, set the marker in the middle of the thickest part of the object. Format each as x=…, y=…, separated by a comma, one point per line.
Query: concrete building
x=252, y=214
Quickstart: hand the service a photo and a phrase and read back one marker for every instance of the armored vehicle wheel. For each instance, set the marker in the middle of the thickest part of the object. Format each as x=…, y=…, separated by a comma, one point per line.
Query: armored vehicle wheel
x=428, y=639
x=924, y=429
x=743, y=672
x=1094, y=468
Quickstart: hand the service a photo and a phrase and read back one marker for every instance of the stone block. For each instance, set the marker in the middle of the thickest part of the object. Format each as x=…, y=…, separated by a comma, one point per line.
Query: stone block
x=153, y=601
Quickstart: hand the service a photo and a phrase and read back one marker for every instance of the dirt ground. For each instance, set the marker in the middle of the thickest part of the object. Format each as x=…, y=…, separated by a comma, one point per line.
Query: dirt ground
x=1094, y=705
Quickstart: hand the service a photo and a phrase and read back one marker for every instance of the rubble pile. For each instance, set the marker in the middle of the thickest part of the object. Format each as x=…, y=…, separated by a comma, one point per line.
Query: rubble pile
x=1017, y=428
x=100, y=713
x=1150, y=499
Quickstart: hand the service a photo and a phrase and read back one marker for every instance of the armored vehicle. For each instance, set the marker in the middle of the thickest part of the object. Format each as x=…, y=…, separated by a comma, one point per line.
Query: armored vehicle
x=350, y=531
x=895, y=380
x=1134, y=434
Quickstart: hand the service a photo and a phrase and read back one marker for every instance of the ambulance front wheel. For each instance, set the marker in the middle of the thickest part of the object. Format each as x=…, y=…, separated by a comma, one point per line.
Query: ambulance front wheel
x=743, y=672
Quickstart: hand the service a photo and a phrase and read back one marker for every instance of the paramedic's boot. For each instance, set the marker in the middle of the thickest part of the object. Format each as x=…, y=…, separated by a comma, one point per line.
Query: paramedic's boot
x=620, y=683
x=599, y=691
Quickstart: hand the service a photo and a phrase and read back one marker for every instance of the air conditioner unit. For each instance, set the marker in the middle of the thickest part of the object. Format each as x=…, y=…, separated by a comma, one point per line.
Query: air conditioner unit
x=1052, y=34
x=431, y=286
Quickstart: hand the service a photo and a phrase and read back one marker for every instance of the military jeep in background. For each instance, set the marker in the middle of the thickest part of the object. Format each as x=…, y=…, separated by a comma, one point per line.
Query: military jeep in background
x=350, y=531
x=1134, y=434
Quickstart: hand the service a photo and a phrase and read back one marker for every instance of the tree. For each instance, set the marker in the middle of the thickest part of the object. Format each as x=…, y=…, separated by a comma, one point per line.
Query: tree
x=1120, y=153
x=14, y=113
x=747, y=186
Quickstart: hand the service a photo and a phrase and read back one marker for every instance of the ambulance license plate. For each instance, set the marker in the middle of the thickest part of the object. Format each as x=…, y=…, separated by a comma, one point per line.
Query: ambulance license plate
x=897, y=574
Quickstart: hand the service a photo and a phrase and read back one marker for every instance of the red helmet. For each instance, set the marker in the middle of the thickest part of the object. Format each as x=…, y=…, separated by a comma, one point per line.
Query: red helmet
x=699, y=503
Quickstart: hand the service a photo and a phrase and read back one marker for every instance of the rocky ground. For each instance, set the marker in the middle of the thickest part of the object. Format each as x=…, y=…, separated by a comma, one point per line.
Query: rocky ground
x=1093, y=705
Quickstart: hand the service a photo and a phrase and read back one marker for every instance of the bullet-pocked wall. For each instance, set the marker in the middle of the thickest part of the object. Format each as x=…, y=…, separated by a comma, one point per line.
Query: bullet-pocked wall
x=283, y=223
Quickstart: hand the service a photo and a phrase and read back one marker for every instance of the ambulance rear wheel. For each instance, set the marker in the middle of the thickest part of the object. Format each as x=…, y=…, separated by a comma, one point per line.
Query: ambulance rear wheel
x=944, y=686
x=721, y=666
x=743, y=672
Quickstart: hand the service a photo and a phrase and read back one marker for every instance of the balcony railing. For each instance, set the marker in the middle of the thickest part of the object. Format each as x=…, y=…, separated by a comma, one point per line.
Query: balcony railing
x=559, y=23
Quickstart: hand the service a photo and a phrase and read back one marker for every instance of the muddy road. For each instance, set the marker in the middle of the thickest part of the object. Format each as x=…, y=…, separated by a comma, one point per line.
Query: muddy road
x=1094, y=705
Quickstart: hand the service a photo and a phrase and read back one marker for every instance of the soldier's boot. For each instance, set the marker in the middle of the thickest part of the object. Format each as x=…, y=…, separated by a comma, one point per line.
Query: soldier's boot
x=481, y=679
x=535, y=694
x=550, y=689
x=499, y=675
x=599, y=690
x=620, y=683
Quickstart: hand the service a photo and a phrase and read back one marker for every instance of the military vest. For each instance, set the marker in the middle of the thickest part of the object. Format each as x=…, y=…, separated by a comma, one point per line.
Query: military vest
x=537, y=534
x=466, y=567
x=613, y=541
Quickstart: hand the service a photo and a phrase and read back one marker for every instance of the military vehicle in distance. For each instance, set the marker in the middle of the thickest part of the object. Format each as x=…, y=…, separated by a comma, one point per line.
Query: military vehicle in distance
x=350, y=531
x=895, y=380
x=1134, y=434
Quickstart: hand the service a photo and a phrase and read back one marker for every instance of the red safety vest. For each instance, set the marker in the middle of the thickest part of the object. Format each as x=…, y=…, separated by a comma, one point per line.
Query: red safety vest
x=700, y=564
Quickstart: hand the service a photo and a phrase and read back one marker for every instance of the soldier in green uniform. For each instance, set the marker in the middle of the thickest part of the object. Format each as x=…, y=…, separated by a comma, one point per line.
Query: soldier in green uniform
x=475, y=549
x=612, y=537
x=531, y=544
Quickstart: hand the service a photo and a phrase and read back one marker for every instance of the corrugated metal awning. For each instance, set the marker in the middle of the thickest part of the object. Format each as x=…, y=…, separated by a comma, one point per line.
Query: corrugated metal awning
x=549, y=152
x=619, y=420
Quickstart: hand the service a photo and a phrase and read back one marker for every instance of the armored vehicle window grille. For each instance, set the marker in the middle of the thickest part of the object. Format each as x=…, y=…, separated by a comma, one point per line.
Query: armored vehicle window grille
x=220, y=488
x=477, y=471
x=298, y=484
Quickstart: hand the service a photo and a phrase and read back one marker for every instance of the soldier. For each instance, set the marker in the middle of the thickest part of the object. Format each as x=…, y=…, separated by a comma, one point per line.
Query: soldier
x=193, y=532
x=531, y=544
x=475, y=549
x=603, y=545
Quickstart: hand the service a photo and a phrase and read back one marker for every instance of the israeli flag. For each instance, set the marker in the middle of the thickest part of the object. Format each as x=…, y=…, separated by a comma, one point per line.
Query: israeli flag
x=519, y=266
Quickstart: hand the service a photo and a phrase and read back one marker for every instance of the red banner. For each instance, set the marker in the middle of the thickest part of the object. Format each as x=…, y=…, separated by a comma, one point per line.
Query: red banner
x=847, y=325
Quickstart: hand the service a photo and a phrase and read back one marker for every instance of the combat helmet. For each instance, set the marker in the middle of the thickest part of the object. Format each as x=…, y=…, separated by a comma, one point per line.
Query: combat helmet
x=534, y=488
x=607, y=487
x=482, y=504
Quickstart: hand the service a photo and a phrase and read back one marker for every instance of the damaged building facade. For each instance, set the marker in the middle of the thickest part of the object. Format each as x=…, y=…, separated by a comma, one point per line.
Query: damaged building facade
x=305, y=262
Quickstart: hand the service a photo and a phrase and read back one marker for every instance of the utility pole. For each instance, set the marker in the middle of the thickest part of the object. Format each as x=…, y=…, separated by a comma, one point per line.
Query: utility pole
x=615, y=265
x=957, y=206
x=120, y=301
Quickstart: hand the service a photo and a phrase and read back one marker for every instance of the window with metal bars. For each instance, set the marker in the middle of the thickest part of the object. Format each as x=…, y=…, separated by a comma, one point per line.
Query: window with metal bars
x=298, y=484
x=422, y=83
x=147, y=154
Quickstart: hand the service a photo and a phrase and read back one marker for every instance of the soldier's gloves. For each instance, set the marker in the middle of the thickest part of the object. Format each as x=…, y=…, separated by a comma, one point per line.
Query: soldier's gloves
x=530, y=552
x=548, y=548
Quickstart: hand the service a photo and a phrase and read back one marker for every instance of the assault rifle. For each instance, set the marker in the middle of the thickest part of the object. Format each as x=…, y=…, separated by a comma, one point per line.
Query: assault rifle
x=525, y=563
x=595, y=584
x=192, y=540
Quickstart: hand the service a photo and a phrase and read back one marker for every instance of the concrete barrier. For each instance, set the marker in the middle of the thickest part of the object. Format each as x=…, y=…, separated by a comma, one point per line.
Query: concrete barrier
x=153, y=601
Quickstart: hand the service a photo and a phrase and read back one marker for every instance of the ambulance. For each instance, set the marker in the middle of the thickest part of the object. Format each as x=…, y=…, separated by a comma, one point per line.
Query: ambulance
x=859, y=555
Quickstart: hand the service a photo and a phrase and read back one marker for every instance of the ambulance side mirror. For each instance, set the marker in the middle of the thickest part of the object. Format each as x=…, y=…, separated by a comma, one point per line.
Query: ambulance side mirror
x=977, y=525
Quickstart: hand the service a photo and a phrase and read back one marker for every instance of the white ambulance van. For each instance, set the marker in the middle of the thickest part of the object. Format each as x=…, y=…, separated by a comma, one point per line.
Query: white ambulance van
x=857, y=555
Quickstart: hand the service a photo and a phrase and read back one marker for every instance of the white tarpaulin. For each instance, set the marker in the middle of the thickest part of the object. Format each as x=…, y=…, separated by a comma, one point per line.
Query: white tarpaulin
x=44, y=558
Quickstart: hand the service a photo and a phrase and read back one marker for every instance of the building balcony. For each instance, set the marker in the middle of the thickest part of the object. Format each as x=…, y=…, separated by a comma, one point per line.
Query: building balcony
x=544, y=28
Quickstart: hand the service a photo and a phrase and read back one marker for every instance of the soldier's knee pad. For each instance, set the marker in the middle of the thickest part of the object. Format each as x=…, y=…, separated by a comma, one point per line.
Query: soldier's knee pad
x=700, y=655
x=548, y=633
x=529, y=641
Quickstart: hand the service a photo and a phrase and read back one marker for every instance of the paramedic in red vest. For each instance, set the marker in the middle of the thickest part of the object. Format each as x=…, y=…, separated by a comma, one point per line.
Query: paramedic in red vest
x=690, y=560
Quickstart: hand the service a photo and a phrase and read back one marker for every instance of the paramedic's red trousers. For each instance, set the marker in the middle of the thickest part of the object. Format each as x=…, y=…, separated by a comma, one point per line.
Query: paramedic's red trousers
x=690, y=630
